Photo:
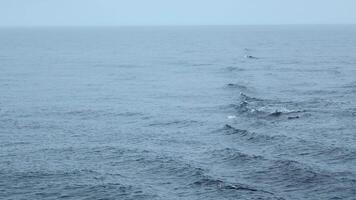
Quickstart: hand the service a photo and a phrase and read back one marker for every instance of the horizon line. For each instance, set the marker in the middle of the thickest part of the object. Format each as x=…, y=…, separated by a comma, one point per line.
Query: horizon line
x=172, y=25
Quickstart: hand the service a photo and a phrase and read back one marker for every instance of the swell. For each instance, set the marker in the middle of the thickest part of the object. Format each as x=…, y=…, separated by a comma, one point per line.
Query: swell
x=177, y=173
x=68, y=184
x=234, y=156
x=237, y=86
x=292, y=175
x=36, y=120
x=280, y=174
x=251, y=136
x=287, y=146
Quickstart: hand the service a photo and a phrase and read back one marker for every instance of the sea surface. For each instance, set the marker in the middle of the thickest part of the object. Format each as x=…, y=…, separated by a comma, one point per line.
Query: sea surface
x=166, y=113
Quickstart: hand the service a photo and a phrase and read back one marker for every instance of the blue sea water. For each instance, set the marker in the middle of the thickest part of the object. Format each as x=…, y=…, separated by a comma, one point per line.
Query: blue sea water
x=220, y=112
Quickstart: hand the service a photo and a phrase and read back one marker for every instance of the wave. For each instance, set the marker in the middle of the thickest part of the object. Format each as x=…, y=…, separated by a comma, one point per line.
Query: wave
x=179, y=123
x=93, y=114
x=251, y=136
x=251, y=57
x=223, y=186
x=237, y=86
x=245, y=97
x=72, y=184
x=351, y=85
x=334, y=155
x=233, y=69
x=47, y=174
x=266, y=108
x=320, y=92
x=235, y=156
x=11, y=144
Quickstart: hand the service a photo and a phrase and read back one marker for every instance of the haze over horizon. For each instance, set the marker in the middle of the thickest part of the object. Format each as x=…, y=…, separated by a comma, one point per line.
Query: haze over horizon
x=174, y=12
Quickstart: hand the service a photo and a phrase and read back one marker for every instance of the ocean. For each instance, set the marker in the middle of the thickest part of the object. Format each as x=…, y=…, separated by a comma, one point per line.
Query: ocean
x=195, y=112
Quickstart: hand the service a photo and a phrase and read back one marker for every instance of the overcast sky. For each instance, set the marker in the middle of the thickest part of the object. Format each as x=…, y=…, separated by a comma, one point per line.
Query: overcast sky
x=175, y=12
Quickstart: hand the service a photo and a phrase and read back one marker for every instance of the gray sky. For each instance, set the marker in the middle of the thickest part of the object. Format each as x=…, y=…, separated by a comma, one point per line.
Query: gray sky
x=175, y=12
